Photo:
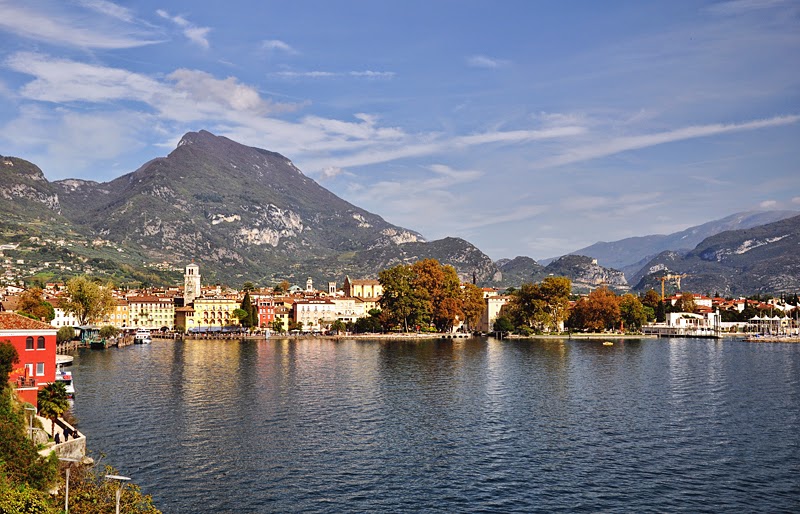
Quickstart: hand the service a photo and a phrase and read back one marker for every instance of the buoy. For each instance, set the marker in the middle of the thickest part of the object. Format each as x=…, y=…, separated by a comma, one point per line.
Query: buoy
x=608, y=343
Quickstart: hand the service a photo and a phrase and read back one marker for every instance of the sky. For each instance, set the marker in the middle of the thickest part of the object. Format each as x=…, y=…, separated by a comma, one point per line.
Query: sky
x=525, y=127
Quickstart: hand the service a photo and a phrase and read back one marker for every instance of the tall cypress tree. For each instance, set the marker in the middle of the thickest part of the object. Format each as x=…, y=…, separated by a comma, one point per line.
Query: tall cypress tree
x=247, y=306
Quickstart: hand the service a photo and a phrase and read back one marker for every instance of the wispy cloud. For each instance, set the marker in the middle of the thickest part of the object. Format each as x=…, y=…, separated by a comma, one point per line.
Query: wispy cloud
x=735, y=7
x=319, y=74
x=768, y=204
x=61, y=27
x=109, y=9
x=195, y=34
x=613, y=146
x=482, y=61
x=278, y=45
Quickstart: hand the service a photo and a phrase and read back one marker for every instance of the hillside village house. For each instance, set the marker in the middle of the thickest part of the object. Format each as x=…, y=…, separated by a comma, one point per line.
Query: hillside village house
x=314, y=314
x=367, y=288
x=35, y=342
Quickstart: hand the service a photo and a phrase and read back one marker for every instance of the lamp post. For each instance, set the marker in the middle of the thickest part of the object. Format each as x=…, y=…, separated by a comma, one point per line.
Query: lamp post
x=119, y=480
x=69, y=462
x=30, y=429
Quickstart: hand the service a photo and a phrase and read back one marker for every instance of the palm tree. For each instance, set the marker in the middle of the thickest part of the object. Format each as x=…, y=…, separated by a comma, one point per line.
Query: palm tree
x=53, y=401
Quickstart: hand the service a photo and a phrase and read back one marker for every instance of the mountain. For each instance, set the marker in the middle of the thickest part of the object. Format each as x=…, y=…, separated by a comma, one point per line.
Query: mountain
x=761, y=259
x=242, y=213
x=631, y=254
x=584, y=272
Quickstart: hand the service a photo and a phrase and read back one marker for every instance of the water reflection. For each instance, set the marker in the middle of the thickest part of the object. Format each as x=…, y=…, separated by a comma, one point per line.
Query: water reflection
x=457, y=425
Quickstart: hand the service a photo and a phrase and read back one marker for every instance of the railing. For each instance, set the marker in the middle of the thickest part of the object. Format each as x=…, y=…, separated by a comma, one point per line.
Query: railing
x=26, y=382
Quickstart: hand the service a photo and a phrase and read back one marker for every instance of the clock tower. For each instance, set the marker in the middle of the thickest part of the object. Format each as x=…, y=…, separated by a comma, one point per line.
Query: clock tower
x=191, y=283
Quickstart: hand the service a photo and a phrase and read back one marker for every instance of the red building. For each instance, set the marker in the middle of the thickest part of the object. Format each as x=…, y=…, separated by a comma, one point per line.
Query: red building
x=266, y=312
x=35, y=342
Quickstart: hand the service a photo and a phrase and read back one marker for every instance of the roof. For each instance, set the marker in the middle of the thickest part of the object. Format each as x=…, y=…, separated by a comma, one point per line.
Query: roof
x=13, y=321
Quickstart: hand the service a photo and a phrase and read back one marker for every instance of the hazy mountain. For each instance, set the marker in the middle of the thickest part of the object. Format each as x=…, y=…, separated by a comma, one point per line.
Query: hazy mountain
x=736, y=262
x=631, y=254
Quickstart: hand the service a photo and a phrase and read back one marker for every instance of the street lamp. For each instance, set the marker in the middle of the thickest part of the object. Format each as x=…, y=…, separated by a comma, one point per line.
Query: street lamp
x=119, y=480
x=69, y=462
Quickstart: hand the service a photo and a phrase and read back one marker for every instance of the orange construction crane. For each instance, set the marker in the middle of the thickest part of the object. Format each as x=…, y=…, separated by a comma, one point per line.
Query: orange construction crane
x=676, y=278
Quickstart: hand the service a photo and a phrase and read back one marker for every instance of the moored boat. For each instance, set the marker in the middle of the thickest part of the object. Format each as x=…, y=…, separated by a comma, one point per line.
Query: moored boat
x=66, y=378
x=142, y=336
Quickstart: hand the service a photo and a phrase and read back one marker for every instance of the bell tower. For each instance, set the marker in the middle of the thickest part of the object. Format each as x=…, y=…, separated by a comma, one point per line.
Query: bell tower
x=191, y=283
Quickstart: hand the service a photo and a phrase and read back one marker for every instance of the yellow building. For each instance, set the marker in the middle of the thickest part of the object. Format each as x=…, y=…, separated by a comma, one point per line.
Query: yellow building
x=118, y=317
x=151, y=312
x=362, y=288
x=212, y=313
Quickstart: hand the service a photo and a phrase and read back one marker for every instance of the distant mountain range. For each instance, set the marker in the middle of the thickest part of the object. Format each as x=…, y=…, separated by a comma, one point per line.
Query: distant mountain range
x=247, y=214
x=631, y=254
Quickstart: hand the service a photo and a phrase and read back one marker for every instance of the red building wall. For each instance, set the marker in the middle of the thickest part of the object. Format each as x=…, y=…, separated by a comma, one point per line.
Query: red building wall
x=35, y=342
x=266, y=313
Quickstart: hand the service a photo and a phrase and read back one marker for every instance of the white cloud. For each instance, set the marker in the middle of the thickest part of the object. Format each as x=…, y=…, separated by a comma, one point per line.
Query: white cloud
x=330, y=172
x=796, y=200
x=768, y=204
x=736, y=7
x=277, y=44
x=58, y=26
x=321, y=74
x=195, y=34
x=481, y=61
x=626, y=143
x=109, y=9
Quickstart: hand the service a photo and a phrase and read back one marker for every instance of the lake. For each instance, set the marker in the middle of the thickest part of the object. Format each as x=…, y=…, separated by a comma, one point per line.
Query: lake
x=475, y=425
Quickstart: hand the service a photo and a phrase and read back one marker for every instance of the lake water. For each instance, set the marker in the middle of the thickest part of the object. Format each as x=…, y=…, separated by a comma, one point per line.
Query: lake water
x=474, y=425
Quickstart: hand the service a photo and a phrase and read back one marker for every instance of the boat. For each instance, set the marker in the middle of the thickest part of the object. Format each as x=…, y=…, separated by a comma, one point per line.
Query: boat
x=142, y=336
x=65, y=377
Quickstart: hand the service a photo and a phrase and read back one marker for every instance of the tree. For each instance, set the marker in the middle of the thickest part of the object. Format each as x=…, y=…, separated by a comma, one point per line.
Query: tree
x=472, y=304
x=338, y=326
x=440, y=287
x=8, y=357
x=33, y=305
x=248, y=286
x=503, y=324
x=651, y=299
x=402, y=302
x=632, y=312
x=247, y=319
x=91, y=493
x=282, y=287
x=241, y=315
x=88, y=300
x=108, y=331
x=53, y=401
x=277, y=326
x=685, y=303
x=598, y=311
x=65, y=334
x=543, y=306
x=555, y=293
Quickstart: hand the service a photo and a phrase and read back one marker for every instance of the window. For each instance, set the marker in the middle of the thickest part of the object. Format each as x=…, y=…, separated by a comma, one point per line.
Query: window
x=29, y=370
x=29, y=343
x=40, y=343
x=39, y=369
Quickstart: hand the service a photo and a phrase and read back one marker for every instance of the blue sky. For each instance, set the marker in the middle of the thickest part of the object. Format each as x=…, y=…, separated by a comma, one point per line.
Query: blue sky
x=526, y=127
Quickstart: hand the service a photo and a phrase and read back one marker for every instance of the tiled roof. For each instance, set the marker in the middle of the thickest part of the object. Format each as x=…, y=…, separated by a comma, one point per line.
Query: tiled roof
x=13, y=321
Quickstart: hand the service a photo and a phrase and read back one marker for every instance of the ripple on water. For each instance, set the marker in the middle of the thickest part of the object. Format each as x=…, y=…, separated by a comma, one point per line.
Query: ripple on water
x=477, y=426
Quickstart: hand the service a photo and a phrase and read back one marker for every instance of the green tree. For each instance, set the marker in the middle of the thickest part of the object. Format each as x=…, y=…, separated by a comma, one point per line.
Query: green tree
x=91, y=493
x=65, y=334
x=33, y=305
x=632, y=312
x=107, y=331
x=248, y=286
x=338, y=326
x=651, y=299
x=20, y=462
x=554, y=293
x=503, y=324
x=241, y=315
x=88, y=300
x=53, y=401
x=402, y=302
x=277, y=326
x=247, y=307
